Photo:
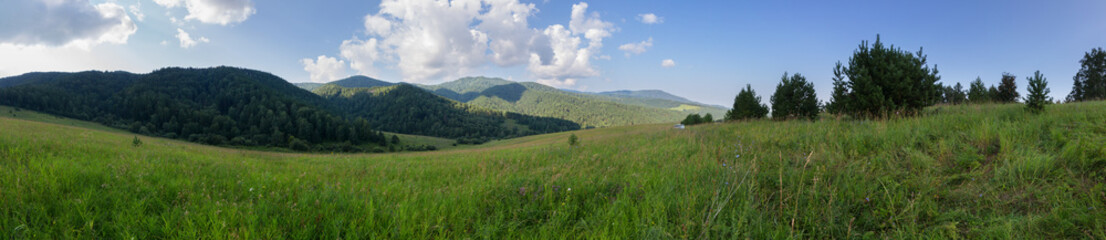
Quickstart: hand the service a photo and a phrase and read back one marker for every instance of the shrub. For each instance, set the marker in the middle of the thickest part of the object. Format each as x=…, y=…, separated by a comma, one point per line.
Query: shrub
x=573, y=140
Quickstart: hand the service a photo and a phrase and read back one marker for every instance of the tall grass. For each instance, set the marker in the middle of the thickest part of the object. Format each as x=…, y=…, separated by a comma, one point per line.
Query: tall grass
x=976, y=171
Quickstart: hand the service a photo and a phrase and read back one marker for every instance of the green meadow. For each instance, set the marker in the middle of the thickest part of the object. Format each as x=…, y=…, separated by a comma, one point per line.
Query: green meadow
x=966, y=171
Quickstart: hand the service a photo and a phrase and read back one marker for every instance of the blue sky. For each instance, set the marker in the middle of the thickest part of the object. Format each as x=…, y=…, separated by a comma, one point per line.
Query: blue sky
x=715, y=47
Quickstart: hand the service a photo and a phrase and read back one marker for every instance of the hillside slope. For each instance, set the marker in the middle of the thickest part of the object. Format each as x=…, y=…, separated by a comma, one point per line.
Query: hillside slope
x=408, y=109
x=974, y=172
x=222, y=105
x=589, y=109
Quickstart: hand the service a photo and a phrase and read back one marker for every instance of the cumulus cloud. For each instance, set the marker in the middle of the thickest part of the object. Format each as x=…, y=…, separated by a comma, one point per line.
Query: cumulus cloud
x=64, y=22
x=668, y=63
x=324, y=69
x=636, y=48
x=222, y=12
x=362, y=55
x=649, y=18
x=428, y=40
x=186, y=41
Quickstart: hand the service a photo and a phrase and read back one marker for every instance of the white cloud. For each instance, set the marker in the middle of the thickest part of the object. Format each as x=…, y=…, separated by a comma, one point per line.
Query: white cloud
x=137, y=12
x=649, y=18
x=64, y=22
x=428, y=40
x=636, y=48
x=668, y=63
x=571, y=61
x=362, y=55
x=186, y=41
x=222, y=12
x=324, y=69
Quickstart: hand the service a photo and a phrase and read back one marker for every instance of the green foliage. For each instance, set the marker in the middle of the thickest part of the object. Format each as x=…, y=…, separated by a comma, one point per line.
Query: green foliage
x=883, y=80
x=966, y=172
x=395, y=139
x=746, y=105
x=573, y=140
x=1090, y=81
x=693, y=119
x=708, y=118
x=586, y=109
x=953, y=94
x=1037, y=98
x=978, y=93
x=794, y=99
x=404, y=108
x=217, y=106
x=1007, y=89
x=136, y=142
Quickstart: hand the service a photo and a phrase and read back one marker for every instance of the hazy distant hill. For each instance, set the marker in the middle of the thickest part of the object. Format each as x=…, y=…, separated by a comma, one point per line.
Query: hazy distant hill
x=408, y=109
x=590, y=109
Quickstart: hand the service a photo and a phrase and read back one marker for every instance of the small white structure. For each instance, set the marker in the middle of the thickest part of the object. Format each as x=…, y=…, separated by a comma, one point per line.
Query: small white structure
x=679, y=126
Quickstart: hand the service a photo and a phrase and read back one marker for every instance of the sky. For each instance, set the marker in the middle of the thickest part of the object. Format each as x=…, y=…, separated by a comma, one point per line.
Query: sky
x=702, y=50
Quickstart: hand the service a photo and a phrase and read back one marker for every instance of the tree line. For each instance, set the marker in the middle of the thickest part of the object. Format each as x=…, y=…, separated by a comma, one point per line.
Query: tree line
x=882, y=81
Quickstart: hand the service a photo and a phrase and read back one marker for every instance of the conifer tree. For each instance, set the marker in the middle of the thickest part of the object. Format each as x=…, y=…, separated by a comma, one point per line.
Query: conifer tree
x=746, y=106
x=794, y=98
x=977, y=92
x=882, y=79
x=1037, y=98
x=1090, y=81
x=1007, y=89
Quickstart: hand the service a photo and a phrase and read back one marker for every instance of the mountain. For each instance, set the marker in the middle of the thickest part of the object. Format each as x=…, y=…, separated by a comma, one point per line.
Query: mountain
x=242, y=107
x=656, y=94
x=308, y=85
x=219, y=106
x=405, y=108
x=588, y=109
x=361, y=82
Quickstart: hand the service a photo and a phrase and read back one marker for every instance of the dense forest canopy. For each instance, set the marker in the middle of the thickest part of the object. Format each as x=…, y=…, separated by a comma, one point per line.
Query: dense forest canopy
x=234, y=106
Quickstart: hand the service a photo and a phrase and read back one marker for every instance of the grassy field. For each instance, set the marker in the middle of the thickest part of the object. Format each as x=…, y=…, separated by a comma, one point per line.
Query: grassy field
x=979, y=171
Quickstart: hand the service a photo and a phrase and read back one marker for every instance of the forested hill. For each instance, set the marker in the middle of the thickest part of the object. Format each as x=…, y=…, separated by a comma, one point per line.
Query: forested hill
x=408, y=109
x=220, y=106
x=589, y=109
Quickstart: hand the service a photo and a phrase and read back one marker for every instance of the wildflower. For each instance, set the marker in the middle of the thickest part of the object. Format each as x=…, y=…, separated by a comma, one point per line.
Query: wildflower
x=980, y=195
x=569, y=189
x=738, y=156
x=727, y=183
x=723, y=164
x=866, y=199
x=251, y=189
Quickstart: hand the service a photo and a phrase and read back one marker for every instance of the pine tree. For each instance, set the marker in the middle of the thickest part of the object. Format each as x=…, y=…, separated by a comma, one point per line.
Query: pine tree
x=1090, y=81
x=977, y=92
x=879, y=80
x=746, y=106
x=794, y=98
x=708, y=118
x=839, y=99
x=1007, y=89
x=1037, y=98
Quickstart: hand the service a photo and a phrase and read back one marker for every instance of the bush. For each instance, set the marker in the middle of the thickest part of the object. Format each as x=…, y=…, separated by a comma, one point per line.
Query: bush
x=880, y=80
x=573, y=140
x=794, y=98
x=692, y=119
x=1038, y=93
x=746, y=106
x=136, y=142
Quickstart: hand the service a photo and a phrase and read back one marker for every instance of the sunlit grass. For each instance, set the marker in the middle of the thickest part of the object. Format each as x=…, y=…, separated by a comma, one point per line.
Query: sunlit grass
x=976, y=171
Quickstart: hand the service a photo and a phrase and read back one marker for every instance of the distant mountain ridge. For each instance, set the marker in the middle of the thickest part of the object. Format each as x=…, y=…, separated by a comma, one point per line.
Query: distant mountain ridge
x=236, y=106
x=591, y=109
